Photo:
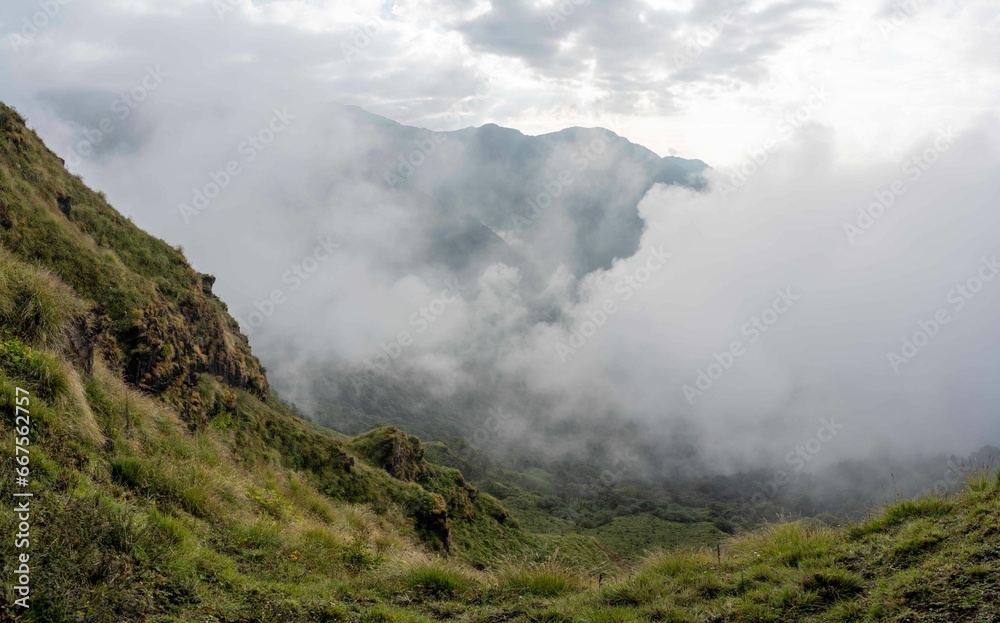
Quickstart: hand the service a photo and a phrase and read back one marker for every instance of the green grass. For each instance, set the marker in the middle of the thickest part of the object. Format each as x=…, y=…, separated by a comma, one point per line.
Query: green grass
x=632, y=536
x=436, y=581
x=540, y=580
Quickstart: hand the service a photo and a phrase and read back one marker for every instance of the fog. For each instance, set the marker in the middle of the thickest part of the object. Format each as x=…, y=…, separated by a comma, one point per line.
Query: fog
x=707, y=320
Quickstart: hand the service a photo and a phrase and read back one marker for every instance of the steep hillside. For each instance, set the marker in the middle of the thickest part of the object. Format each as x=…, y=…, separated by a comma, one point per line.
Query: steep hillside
x=168, y=484
x=166, y=478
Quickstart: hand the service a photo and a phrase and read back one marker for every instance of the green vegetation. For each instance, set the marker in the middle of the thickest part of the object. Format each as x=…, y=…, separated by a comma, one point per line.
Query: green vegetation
x=621, y=518
x=171, y=487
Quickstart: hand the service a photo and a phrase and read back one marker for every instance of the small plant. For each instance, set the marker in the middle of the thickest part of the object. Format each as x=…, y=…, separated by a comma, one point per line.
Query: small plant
x=268, y=501
x=358, y=556
x=130, y=472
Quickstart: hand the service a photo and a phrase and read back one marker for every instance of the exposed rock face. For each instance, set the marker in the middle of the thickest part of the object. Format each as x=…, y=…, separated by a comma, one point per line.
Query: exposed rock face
x=448, y=496
x=88, y=333
x=6, y=221
x=207, y=281
x=461, y=496
x=432, y=519
x=65, y=204
x=170, y=346
x=394, y=451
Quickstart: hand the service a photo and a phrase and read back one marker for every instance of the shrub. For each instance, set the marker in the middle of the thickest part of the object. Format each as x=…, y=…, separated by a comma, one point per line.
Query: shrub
x=358, y=556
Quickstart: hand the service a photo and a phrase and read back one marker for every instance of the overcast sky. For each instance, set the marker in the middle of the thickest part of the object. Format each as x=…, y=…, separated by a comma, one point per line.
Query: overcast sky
x=707, y=80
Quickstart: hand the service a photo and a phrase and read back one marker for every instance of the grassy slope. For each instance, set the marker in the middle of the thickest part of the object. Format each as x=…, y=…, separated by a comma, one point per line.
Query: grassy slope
x=167, y=480
x=627, y=536
x=246, y=513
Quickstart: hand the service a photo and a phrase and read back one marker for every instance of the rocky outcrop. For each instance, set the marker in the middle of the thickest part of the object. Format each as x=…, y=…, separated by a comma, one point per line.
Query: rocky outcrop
x=432, y=520
x=171, y=346
x=88, y=334
x=65, y=203
x=394, y=451
x=160, y=327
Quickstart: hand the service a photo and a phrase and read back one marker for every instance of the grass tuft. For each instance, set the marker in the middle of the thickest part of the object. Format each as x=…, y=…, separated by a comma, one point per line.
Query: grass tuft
x=436, y=581
x=539, y=580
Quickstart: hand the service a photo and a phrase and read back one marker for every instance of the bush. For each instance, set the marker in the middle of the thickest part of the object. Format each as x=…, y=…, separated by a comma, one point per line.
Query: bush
x=358, y=556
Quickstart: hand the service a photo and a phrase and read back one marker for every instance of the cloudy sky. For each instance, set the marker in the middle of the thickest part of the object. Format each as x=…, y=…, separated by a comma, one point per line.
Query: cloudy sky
x=840, y=98
x=707, y=80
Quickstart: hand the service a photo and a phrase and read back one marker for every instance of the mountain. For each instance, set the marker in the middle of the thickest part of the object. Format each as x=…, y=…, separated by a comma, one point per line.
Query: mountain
x=588, y=181
x=168, y=482
x=491, y=213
